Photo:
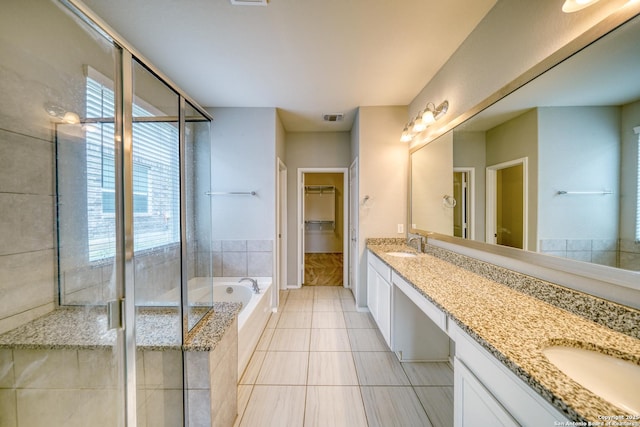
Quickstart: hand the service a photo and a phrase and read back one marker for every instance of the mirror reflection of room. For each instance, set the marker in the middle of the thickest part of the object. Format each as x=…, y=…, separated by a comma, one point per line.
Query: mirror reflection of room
x=575, y=131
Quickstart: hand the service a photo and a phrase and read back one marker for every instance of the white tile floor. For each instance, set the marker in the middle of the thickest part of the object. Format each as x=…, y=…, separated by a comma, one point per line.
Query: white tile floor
x=322, y=363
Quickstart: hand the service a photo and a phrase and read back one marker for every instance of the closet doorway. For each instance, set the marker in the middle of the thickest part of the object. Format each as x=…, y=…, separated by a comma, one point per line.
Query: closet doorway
x=322, y=224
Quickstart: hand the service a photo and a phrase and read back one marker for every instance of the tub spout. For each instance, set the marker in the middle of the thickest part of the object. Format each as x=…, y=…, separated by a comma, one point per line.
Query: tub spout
x=254, y=284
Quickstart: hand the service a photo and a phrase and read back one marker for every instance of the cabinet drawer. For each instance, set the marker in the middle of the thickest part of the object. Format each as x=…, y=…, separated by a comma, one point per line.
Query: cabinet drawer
x=383, y=269
x=434, y=313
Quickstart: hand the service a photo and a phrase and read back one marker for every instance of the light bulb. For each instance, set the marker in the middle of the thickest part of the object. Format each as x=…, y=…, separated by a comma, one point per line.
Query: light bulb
x=406, y=135
x=427, y=117
x=418, y=125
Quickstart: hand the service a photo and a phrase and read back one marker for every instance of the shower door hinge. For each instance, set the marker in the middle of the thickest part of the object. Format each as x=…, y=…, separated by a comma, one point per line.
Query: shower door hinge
x=115, y=310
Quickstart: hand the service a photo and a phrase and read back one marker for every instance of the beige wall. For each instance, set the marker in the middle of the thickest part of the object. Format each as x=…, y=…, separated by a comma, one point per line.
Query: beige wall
x=515, y=139
x=383, y=161
x=308, y=150
x=469, y=151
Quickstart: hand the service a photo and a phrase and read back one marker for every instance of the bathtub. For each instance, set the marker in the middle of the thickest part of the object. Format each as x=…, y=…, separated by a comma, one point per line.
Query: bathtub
x=256, y=308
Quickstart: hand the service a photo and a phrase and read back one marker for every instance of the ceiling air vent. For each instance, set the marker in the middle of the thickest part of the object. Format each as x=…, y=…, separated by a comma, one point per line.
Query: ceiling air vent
x=249, y=2
x=334, y=117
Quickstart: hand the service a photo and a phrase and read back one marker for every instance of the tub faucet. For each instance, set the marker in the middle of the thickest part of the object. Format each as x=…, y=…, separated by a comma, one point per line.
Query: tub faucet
x=254, y=284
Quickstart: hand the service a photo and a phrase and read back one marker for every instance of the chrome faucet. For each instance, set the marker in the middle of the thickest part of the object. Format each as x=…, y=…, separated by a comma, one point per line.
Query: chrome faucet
x=419, y=239
x=254, y=284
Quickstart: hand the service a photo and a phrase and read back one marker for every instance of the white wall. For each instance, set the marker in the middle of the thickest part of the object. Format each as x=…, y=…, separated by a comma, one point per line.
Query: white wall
x=243, y=159
x=586, y=142
x=383, y=161
x=308, y=150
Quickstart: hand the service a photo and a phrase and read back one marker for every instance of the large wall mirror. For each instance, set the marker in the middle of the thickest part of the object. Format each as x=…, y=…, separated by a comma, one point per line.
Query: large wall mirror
x=553, y=167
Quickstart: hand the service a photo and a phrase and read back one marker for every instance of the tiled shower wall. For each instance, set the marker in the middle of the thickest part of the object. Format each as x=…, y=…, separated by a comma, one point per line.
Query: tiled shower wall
x=27, y=229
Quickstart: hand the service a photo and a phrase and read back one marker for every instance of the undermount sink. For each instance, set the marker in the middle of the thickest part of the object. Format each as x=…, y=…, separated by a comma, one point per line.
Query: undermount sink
x=615, y=380
x=402, y=254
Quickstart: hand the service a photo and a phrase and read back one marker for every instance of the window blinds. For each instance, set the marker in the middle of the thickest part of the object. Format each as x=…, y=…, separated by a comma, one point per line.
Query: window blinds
x=156, y=177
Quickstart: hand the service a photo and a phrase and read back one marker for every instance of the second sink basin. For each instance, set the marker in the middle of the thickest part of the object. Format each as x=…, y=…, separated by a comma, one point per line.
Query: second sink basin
x=402, y=254
x=613, y=379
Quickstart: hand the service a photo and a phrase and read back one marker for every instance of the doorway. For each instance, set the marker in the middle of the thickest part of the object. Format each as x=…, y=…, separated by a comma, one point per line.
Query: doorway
x=323, y=227
x=507, y=204
x=463, y=211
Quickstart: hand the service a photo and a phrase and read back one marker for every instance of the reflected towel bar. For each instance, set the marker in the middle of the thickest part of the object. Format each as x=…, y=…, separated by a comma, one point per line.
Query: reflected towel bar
x=601, y=192
x=231, y=193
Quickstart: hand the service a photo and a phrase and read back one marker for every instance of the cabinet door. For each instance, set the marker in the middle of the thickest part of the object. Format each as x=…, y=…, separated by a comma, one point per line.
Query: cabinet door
x=372, y=291
x=474, y=405
x=384, y=309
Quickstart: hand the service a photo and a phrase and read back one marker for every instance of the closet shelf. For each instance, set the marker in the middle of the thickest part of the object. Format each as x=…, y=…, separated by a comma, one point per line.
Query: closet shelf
x=320, y=189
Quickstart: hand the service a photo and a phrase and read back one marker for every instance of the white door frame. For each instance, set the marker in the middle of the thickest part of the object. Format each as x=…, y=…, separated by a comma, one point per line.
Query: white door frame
x=281, y=226
x=354, y=213
x=491, y=192
x=345, y=222
x=471, y=192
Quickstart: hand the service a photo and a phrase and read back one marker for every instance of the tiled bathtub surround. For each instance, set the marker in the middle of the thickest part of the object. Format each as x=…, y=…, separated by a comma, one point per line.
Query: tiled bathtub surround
x=51, y=368
x=598, y=251
x=236, y=258
x=623, y=253
x=514, y=326
x=614, y=316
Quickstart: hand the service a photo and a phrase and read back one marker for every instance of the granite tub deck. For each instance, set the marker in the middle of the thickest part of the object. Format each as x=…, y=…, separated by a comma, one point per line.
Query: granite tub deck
x=515, y=326
x=79, y=328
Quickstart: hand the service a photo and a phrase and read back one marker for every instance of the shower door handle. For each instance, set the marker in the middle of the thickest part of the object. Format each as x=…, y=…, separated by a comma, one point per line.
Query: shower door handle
x=115, y=309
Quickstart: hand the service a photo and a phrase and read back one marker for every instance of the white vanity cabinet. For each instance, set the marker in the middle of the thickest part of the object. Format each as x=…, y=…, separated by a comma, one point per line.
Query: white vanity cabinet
x=487, y=393
x=379, y=294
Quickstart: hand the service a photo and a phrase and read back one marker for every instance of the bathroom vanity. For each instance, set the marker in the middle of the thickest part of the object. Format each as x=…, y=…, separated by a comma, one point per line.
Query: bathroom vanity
x=501, y=322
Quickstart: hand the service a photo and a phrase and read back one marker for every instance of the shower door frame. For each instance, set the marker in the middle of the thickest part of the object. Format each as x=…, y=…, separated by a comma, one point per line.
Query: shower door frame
x=123, y=85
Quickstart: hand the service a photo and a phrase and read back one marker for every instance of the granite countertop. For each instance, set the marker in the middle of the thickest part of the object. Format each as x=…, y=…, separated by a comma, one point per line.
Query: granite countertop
x=86, y=328
x=516, y=327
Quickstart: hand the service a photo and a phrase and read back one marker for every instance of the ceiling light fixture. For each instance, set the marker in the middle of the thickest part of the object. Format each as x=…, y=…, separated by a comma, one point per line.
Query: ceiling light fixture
x=571, y=6
x=423, y=120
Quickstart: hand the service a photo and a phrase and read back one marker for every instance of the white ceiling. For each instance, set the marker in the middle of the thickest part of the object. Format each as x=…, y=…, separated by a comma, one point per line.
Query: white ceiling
x=305, y=57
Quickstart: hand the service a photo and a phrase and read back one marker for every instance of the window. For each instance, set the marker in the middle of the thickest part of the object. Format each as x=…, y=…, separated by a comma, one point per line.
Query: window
x=156, y=178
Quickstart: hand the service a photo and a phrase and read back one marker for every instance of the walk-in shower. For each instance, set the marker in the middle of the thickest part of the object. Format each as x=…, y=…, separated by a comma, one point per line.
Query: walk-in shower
x=104, y=167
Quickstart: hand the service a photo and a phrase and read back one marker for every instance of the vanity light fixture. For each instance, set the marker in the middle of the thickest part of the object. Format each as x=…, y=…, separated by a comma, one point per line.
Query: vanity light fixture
x=423, y=120
x=571, y=6
x=406, y=134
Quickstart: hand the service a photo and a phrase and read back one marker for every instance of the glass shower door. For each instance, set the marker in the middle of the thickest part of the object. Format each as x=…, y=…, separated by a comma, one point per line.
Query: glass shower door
x=154, y=166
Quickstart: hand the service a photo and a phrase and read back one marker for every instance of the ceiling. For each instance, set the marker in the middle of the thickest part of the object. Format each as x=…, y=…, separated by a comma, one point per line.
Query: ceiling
x=304, y=57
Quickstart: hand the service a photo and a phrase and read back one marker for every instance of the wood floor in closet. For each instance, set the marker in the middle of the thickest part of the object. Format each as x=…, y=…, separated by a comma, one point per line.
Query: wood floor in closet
x=324, y=269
